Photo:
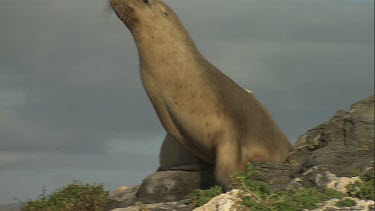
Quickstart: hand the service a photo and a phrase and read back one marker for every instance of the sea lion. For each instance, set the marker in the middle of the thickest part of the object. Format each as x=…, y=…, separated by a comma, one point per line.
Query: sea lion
x=174, y=156
x=201, y=108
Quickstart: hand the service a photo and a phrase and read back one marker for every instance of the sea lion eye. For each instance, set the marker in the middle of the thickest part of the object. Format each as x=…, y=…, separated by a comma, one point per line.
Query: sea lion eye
x=145, y=1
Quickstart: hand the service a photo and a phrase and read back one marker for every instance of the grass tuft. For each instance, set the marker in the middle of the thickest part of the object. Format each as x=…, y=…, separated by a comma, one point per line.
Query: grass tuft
x=73, y=197
x=346, y=203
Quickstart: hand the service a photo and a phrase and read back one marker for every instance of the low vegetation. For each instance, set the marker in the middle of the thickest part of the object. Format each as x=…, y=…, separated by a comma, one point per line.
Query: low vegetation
x=346, y=203
x=363, y=189
x=259, y=196
x=200, y=197
x=73, y=197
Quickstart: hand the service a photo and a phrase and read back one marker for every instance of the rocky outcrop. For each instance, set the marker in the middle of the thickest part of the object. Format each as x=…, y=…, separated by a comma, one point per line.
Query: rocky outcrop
x=342, y=147
x=327, y=155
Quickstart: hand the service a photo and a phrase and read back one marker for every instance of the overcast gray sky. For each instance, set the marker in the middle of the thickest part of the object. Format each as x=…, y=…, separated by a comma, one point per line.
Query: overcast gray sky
x=72, y=106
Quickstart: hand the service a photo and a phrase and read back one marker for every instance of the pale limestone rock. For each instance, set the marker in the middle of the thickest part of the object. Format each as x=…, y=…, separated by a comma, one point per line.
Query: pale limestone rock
x=340, y=183
x=123, y=196
x=225, y=202
x=120, y=190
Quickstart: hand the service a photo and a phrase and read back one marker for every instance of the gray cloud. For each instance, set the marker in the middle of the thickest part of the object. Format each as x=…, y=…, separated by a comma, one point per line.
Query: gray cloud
x=71, y=101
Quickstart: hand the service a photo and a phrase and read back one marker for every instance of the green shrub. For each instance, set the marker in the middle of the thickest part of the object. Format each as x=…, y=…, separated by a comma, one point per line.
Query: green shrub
x=260, y=197
x=200, y=197
x=73, y=197
x=361, y=190
x=346, y=203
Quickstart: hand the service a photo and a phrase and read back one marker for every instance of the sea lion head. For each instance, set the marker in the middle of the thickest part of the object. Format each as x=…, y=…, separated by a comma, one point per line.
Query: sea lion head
x=135, y=13
x=154, y=25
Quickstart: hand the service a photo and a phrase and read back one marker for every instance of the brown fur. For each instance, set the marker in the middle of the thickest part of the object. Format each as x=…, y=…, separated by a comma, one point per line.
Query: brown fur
x=200, y=107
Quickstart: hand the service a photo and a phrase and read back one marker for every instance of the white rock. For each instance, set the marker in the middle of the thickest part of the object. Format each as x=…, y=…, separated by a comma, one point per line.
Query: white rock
x=340, y=183
x=225, y=202
x=120, y=190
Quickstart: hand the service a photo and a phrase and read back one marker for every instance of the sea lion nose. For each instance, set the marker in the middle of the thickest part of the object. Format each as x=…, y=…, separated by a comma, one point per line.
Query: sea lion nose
x=115, y=3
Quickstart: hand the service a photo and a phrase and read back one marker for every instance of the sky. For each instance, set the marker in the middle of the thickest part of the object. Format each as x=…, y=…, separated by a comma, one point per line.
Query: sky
x=72, y=106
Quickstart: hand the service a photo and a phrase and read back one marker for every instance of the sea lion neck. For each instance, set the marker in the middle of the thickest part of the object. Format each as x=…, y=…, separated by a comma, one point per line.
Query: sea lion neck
x=158, y=42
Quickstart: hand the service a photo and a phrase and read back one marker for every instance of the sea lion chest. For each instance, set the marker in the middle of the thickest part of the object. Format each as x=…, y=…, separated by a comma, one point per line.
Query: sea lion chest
x=186, y=107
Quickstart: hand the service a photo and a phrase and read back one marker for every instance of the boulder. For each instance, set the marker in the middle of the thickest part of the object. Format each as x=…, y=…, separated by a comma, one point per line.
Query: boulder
x=166, y=186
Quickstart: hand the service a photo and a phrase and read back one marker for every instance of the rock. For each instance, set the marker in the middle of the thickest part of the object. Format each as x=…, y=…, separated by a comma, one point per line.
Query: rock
x=277, y=175
x=341, y=145
x=340, y=184
x=122, y=197
x=359, y=125
x=224, y=202
x=166, y=186
x=120, y=191
x=330, y=205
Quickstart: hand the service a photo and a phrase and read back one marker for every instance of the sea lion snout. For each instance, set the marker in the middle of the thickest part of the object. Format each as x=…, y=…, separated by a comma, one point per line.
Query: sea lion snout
x=115, y=3
x=123, y=10
x=119, y=5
